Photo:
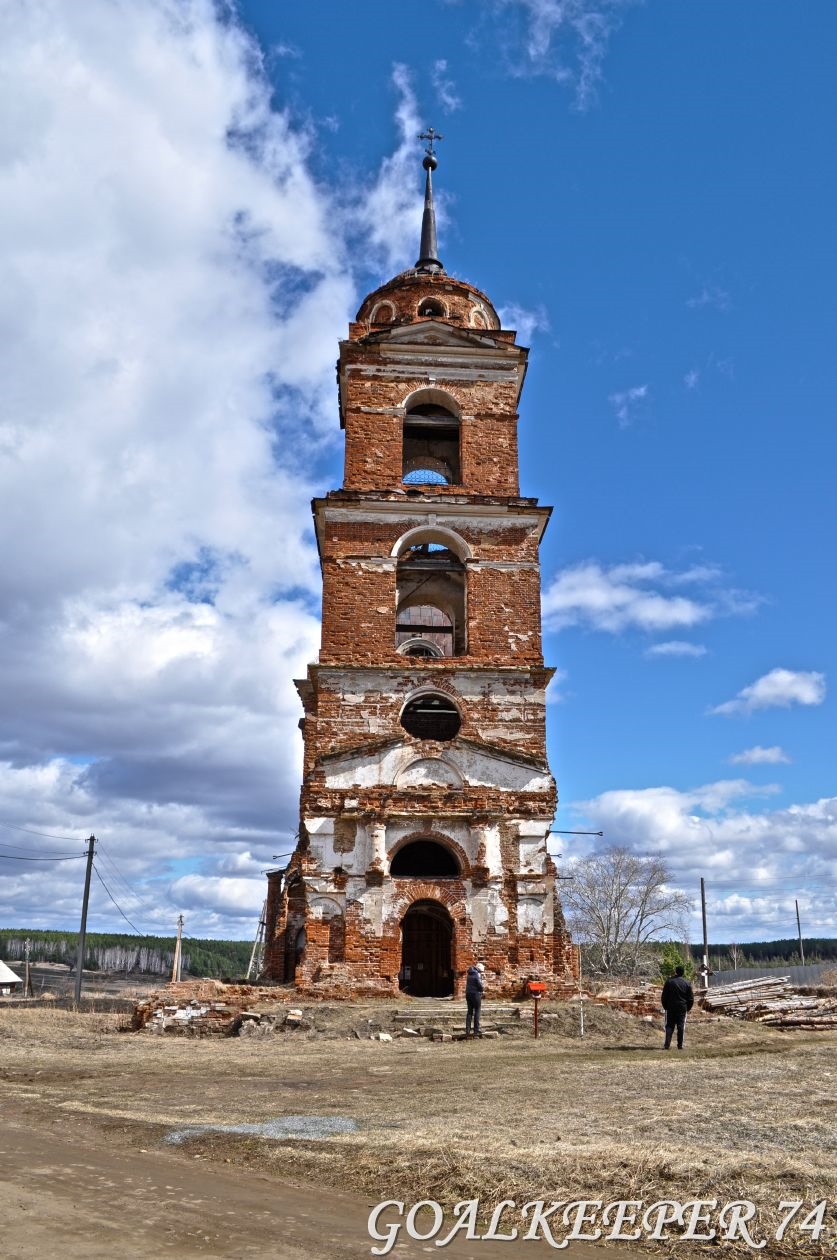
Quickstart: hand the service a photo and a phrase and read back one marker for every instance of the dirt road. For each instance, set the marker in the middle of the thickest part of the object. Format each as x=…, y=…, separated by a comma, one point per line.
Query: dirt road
x=71, y=1196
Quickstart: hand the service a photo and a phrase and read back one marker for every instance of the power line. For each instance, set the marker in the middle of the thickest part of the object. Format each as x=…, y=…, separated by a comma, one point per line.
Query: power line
x=145, y=905
x=11, y=857
x=116, y=903
x=777, y=884
x=44, y=834
x=114, y=870
x=29, y=851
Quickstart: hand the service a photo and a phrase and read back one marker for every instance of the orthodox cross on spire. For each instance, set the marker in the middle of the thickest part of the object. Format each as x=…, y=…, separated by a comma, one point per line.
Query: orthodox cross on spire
x=428, y=250
x=431, y=136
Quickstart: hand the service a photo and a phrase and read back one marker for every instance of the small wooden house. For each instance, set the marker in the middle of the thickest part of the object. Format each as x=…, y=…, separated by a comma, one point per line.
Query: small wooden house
x=10, y=983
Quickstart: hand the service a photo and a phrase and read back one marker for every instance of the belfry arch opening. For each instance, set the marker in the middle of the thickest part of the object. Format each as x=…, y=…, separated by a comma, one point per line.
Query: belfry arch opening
x=424, y=859
x=430, y=449
x=430, y=600
x=427, y=950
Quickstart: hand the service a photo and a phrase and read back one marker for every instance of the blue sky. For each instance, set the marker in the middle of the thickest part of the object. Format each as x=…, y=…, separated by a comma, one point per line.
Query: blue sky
x=645, y=189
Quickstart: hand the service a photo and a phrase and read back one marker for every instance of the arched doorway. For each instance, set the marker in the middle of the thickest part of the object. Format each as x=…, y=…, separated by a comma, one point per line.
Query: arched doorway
x=295, y=942
x=427, y=950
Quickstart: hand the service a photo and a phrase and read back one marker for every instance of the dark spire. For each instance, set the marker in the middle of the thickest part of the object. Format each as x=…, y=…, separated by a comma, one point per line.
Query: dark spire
x=429, y=249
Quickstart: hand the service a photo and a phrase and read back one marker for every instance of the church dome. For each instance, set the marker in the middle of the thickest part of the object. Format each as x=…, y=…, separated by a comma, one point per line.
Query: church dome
x=422, y=295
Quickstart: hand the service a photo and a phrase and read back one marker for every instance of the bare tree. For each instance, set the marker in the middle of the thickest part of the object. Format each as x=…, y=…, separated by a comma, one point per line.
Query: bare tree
x=617, y=903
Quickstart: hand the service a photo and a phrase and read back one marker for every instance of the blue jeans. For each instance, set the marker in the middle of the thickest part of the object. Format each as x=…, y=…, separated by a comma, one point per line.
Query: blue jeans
x=474, y=1002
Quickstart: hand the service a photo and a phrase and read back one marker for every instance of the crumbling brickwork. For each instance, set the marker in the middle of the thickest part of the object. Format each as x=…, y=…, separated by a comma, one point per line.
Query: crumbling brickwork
x=426, y=799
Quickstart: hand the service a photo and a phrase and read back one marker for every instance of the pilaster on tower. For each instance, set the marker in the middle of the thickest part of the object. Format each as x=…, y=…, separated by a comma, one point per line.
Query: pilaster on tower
x=427, y=798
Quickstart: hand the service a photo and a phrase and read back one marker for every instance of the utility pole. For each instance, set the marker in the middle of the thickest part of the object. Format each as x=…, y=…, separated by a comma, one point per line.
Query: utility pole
x=82, y=932
x=799, y=932
x=705, y=972
x=27, y=978
x=258, y=944
x=177, y=966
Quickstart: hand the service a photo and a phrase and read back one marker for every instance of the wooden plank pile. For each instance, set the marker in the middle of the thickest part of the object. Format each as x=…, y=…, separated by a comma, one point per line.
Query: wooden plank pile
x=770, y=1000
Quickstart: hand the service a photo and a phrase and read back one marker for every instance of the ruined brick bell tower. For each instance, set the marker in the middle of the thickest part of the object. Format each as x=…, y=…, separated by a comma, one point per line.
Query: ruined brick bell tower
x=426, y=799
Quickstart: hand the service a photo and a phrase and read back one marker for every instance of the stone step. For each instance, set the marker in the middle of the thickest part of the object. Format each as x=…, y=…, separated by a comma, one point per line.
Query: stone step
x=431, y=1015
x=487, y=1034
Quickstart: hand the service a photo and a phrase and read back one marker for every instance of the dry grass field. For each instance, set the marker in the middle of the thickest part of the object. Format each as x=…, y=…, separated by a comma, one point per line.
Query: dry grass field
x=743, y=1113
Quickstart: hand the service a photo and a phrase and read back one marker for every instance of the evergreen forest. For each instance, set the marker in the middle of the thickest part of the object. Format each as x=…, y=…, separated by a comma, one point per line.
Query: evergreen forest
x=123, y=954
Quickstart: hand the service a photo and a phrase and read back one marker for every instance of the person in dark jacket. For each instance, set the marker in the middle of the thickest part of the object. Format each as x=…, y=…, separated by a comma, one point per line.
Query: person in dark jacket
x=677, y=1000
x=474, y=989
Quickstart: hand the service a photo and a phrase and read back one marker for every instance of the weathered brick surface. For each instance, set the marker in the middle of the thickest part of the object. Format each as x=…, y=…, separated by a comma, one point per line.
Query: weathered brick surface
x=360, y=576
x=405, y=293
x=370, y=788
x=505, y=709
x=374, y=417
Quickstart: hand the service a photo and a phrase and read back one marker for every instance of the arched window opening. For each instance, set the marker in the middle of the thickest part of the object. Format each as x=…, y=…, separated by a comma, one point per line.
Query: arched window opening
x=425, y=477
x=430, y=452
x=383, y=313
x=431, y=716
x=424, y=859
x=420, y=647
x=430, y=584
x=424, y=630
x=431, y=308
x=297, y=942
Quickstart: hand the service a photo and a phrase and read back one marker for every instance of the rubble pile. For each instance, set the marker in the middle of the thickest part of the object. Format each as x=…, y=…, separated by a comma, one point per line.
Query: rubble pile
x=199, y=1008
x=643, y=1001
x=193, y=1019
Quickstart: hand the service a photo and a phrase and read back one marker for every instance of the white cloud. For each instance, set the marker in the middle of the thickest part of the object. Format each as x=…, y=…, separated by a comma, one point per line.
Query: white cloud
x=676, y=647
x=725, y=366
x=238, y=898
x=389, y=212
x=526, y=322
x=445, y=87
x=624, y=403
x=641, y=595
x=554, y=692
x=780, y=688
x=711, y=295
x=567, y=40
x=754, y=861
x=759, y=756
x=692, y=378
x=173, y=285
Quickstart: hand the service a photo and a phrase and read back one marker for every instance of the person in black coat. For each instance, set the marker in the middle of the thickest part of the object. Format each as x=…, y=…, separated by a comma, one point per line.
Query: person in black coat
x=677, y=1000
x=474, y=989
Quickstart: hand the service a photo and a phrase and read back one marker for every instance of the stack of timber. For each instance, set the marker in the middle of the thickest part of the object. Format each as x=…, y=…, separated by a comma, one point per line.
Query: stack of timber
x=735, y=999
x=770, y=1000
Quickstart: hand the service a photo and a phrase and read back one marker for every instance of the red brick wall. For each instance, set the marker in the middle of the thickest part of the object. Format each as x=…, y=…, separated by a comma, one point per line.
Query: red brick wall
x=359, y=596
x=374, y=415
x=512, y=721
